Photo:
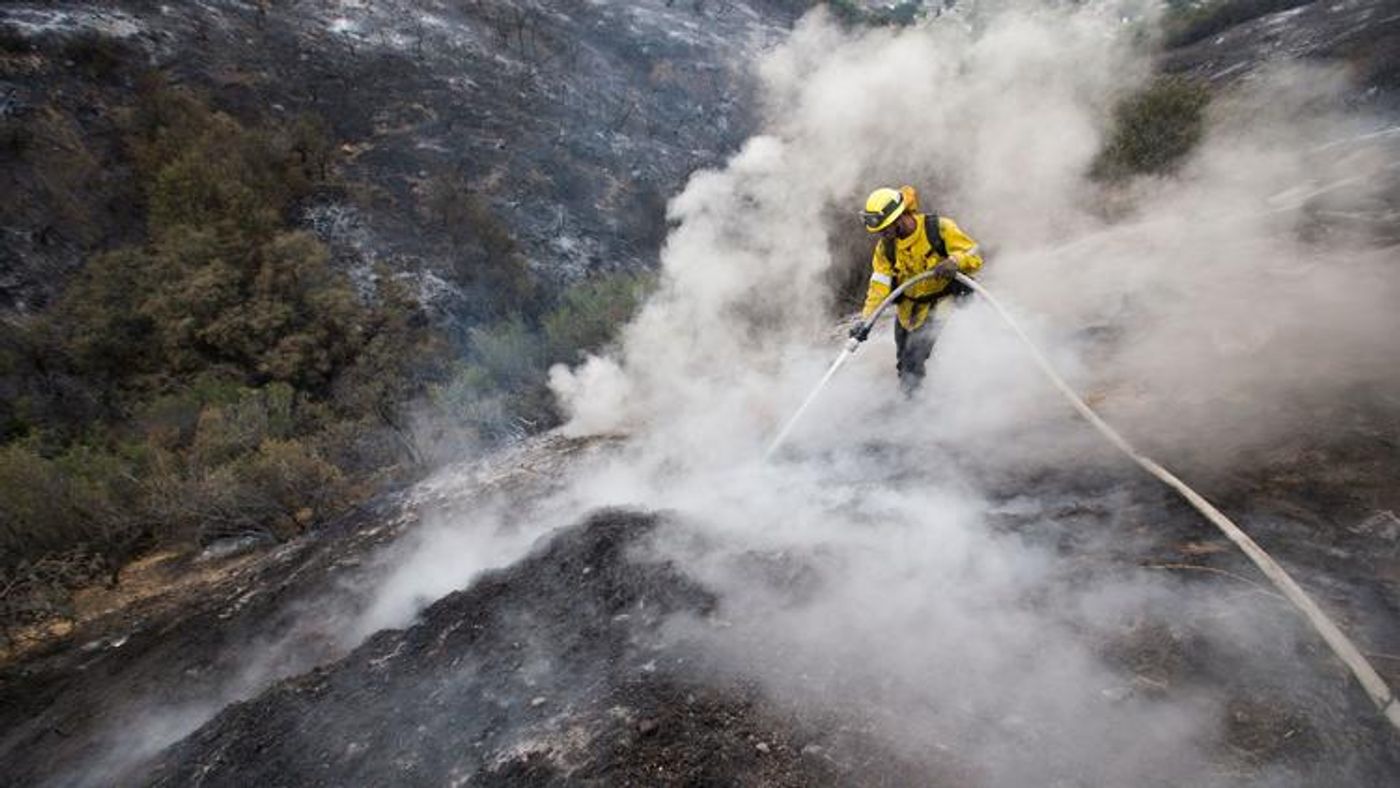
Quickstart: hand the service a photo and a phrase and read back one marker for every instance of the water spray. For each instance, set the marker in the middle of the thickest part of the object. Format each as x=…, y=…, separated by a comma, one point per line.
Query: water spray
x=846, y=352
x=1371, y=681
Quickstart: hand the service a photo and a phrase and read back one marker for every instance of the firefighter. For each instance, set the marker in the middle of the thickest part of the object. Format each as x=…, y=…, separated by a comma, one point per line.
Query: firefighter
x=912, y=243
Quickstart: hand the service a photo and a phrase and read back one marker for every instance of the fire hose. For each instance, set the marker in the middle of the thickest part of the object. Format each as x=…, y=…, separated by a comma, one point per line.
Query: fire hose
x=1371, y=681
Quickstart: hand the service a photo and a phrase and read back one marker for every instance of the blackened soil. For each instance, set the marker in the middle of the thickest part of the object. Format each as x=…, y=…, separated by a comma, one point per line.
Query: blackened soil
x=553, y=671
x=176, y=654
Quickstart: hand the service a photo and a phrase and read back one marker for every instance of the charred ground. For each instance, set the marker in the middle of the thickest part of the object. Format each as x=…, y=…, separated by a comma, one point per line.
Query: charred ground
x=571, y=121
x=579, y=625
x=565, y=668
x=550, y=672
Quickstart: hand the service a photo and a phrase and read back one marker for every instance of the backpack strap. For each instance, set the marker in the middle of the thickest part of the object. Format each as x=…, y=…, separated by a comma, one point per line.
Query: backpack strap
x=935, y=240
x=937, y=245
x=935, y=235
x=940, y=248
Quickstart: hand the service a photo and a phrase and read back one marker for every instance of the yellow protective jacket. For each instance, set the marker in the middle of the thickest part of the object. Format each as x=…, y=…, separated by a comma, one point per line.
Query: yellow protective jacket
x=915, y=255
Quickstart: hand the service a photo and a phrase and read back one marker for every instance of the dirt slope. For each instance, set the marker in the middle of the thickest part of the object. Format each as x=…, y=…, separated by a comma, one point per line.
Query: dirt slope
x=554, y=670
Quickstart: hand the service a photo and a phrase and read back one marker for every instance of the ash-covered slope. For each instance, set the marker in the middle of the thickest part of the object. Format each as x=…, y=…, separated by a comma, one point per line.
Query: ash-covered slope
x=606, y=657
x=555, y=670
x=1363, y=35
x=90, y=707
x=571, y=121
x=93, y=707
x=1023, y=646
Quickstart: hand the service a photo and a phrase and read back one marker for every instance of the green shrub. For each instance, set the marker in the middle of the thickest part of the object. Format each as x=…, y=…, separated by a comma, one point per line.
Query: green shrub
x=221, y=284
x=400, y=356
x=277, y=403
x=277, y=488
x=275, y=311
x=367, y=452
x=298, y=486
x=82, y=499
x=162, y=125
x=170, y=421
x=205, y=169
x=900, y=14
x=846, y=11
x=223, y=434
x=218, y=380
x=192, y=509
x=43, y=539
x=1153, y=129
x=308, y=140
x=500, y=392
x=451, y=204
x=37, y=515
x=40, y=396
x=509, y=352
x=227, y=179
x=590, y=314
x=463, y=391
x=108, y=333
x=471, y=406
x=59, y=176
x=222, y=378
x=106, y=494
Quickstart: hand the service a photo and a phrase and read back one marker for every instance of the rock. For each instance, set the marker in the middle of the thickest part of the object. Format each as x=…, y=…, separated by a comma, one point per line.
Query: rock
x=237, y=545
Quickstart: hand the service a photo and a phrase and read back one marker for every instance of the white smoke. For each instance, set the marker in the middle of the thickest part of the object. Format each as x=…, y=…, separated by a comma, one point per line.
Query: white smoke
x=1226, y=316
x=1202, y=311
x=997, y=126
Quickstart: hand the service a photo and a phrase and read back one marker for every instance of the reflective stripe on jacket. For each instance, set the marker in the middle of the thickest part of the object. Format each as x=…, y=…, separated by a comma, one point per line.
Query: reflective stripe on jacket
x=915, y=255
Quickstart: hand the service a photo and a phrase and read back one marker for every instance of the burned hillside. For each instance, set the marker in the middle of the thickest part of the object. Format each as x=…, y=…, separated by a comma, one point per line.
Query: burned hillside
x=479, y=393
x=568, y=122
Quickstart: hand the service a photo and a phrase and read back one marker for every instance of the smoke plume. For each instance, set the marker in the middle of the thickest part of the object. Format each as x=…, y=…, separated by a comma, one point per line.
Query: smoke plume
x=1212, y=312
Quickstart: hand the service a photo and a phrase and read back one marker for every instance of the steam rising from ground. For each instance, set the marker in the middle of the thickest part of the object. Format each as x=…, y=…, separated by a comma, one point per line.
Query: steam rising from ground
x=1206, y=309
x=1226, y=319
x=864, y=573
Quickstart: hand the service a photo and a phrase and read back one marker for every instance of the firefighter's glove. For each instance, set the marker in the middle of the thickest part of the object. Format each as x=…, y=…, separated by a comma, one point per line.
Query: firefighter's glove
x=860, y=331
x=946, y=269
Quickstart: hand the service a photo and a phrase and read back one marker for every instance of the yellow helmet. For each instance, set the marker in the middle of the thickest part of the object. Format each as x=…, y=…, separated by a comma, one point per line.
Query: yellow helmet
x=882, y=207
